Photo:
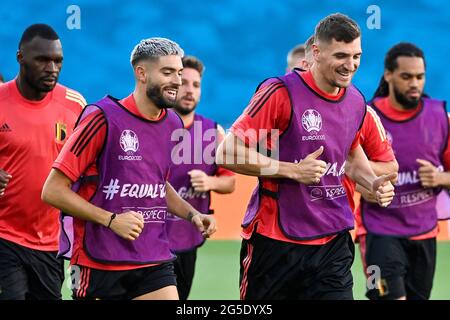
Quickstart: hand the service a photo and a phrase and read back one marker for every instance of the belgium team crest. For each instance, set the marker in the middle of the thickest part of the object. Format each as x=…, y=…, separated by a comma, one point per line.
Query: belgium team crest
x=60, y=132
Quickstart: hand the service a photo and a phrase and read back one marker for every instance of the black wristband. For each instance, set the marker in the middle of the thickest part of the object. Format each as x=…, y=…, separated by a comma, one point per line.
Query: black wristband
x=113, y=216
x=190, y=216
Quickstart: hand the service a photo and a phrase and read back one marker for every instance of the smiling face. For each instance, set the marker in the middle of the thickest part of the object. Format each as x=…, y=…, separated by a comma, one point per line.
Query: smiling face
x=337, y=61
x=407, y=81
x=163, y=79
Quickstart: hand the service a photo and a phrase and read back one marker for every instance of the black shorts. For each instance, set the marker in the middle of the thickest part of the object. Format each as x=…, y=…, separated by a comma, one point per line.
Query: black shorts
x=406, y=267
x=185, y=269
x=94, y=284
x=28, y=274
x=272, y=269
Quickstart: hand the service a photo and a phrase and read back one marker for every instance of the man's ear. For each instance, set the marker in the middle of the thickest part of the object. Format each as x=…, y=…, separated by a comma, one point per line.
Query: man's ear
x=315, y=51
x=19, y=56
x=387, y=76
x=140, y=73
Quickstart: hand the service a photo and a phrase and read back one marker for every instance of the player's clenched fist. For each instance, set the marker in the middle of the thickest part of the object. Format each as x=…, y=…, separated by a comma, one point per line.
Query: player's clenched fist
x=206, y=224
x=128, y=225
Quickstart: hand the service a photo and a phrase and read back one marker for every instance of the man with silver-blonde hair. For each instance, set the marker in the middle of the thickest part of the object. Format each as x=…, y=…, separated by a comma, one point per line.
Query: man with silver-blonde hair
x=120, y=155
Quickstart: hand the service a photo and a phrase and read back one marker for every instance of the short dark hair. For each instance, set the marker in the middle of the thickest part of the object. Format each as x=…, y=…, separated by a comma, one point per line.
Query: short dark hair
x=337, y=26
x=402, y=49
x=1, y=78
x=193, y=63
x=38, y=30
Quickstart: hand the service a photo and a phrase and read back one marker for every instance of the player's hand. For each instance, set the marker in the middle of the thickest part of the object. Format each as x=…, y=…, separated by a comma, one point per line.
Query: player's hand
x=428, y=174
x=310, y=170
x=383, y=189
x=4, y=179
x=128, y=225
x=205, y=223
x=367, y=195
x=200, y=181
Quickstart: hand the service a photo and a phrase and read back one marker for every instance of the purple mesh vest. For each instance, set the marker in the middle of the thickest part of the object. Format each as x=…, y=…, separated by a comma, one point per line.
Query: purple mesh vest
x=311, y=212
x=201, y=137
x=413, y=210
x=133, y=166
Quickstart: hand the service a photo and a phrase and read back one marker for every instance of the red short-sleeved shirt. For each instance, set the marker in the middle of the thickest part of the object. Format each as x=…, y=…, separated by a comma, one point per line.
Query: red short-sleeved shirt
x=269, y=109
x=31, y=135
x=386, y=107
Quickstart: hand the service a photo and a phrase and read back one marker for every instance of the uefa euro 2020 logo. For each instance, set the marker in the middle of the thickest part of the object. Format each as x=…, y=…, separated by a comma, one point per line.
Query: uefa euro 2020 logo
x=311, y=120
x=129, y=141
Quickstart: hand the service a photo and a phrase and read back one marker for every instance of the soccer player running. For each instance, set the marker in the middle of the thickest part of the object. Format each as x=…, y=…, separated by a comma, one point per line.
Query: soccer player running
x=36, y=116
x=195, y=178
x=401, y=239
x=373, y=141
x=120, y=244
x=296, y=241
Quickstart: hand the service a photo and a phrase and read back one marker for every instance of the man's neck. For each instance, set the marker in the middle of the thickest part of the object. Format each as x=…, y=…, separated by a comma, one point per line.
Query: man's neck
x=27, y=91
x=187, y=118
x=320, y=81
x=145, y=106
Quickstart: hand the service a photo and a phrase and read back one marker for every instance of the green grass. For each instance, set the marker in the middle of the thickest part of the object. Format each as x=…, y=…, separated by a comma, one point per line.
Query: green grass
x=217, y=273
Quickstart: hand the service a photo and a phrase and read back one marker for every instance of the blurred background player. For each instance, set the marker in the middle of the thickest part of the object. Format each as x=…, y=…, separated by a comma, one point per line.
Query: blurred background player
x=296, y=241
x=401, y=239
x=36, y=116
x=2, y=80
x=307, y=62
x=295, y=56
x=121, y=246
x=194, y=180
x=300, y=56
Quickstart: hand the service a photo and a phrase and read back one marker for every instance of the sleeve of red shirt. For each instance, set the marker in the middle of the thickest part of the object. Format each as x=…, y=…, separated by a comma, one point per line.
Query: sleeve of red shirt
x=268, y=109
x=82, y=147
x=373, y=138
x=356, y=141
x=446, y=157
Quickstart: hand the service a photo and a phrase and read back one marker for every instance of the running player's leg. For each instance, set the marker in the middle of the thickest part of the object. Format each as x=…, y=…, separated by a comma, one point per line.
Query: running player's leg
x=330, y=276
x=152, y=283
x=387, y=253
x=94, y=284
x=422, y=265
x=184, y=269
x=45, y=275
x=270, y=268
x=13, y=276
